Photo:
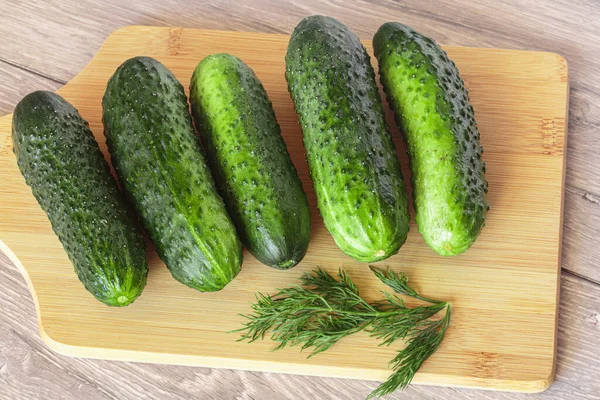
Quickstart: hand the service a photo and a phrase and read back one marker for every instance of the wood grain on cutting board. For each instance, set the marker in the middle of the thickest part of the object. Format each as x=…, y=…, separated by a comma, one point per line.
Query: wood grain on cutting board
x=503, y=290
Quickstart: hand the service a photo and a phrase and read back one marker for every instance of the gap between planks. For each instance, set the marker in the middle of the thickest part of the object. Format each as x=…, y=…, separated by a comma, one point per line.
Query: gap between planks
x=32, y=71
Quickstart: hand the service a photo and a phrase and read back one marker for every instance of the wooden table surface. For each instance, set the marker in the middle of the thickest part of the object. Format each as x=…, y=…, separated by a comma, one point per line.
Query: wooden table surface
x=45, y=43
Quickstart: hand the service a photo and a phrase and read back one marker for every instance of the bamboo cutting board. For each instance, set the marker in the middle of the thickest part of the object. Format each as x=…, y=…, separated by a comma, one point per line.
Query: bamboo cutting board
x=504, y=290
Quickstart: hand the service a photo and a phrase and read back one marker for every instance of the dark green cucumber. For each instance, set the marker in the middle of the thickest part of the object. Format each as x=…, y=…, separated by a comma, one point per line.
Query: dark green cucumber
x=351, y=157
x=248, y=156
x=432, y=107
x=61, y=162
x=161, y=168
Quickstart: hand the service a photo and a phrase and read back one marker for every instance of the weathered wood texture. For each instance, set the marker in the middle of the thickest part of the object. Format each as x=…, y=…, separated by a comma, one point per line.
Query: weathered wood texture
x=17, y=82
x=56, y=39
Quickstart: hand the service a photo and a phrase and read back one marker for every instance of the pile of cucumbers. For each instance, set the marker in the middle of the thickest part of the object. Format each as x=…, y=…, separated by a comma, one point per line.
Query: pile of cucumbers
x=201, y=200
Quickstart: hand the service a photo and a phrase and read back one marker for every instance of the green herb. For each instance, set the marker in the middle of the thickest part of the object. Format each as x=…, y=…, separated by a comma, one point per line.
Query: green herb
x=323, y=310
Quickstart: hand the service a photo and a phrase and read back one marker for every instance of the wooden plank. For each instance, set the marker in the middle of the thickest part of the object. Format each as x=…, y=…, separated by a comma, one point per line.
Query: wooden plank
x=73, y=31
x=16, y=83
x=509, y=276
x=580, y=239
x=28, y=369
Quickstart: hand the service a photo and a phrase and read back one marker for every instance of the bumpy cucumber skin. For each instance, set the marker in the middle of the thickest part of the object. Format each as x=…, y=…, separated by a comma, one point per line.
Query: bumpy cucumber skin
x=159, y=163
x=432, y=107
x=61, y=162
x=250, y=161
x=352, y=159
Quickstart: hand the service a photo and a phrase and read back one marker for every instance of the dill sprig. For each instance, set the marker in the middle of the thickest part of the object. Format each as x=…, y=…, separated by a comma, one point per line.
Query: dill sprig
x=423, y=338
x=323, y=310
x=407, y=362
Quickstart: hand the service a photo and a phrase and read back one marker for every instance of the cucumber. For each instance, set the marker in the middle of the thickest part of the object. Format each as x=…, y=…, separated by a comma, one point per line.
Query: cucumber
x=161, y=168
x=351, y=157
x=61, y=162
x=250, y=161
x=432, y=107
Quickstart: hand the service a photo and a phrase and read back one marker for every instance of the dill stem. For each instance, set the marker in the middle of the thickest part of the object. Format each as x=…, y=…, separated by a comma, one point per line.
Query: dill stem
x=374, y=314
x=416, y=296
